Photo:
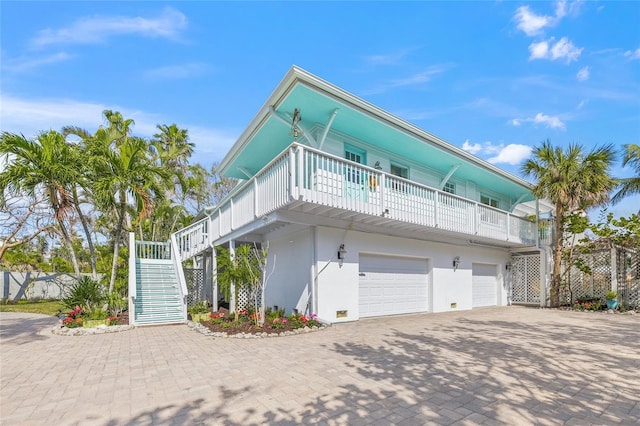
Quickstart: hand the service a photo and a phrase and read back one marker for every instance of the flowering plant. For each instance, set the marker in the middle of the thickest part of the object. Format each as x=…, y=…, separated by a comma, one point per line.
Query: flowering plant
x=587, y=304
x=74, y=318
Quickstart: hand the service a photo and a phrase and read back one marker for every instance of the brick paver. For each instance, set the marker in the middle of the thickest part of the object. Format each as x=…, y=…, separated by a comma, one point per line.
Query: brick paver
x=510, y=365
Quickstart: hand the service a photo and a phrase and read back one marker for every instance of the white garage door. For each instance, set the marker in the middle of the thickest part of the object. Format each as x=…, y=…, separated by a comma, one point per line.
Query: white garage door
x=392, y=285
x=484, y=285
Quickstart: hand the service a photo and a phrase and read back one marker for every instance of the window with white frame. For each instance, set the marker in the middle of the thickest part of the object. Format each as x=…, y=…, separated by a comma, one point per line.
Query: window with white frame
x=489, y=201
x=402, y=172
x=357, y=156
x=449, y=187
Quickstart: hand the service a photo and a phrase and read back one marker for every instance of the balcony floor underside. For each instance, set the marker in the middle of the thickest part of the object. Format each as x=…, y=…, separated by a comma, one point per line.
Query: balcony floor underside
x=302, y=213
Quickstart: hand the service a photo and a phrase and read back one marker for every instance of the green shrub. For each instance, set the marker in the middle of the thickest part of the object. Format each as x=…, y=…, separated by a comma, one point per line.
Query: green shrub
x=86, y=293
x=96, y=314
x=117, y=303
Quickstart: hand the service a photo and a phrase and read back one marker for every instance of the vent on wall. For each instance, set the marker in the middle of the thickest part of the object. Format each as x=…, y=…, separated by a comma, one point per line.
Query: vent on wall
x=341, y=314
x=454, y=306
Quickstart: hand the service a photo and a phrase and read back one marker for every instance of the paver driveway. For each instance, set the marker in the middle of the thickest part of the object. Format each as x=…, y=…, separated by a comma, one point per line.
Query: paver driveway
x=493, y=366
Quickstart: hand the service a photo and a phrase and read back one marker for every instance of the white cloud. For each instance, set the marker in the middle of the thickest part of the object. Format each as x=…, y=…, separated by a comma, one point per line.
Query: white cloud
x=31, y=116
x=390, y=58
x=552, y=122
x=412, y=80
x=472, y=148
x=533, y=24
x=547, y=49
x=539, y=50
x=173, y=72
x=582, y=103
x=25, y=64
x=530, y=23
x=512, y=154
x=583, y=74
x=98, y=29
x=633, y=54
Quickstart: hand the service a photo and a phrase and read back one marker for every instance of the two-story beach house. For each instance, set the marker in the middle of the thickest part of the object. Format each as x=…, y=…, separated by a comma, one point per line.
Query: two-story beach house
x=363, y=213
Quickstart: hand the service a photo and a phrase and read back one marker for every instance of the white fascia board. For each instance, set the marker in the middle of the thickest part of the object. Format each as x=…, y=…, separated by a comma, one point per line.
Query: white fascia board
x=296, y=74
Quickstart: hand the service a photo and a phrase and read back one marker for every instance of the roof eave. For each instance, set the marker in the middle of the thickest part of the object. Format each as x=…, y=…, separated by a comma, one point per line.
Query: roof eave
x=298, y=74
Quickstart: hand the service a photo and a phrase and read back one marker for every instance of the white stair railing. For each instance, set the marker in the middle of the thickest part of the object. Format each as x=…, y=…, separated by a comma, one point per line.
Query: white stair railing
x=191, y=240
x=177, y=264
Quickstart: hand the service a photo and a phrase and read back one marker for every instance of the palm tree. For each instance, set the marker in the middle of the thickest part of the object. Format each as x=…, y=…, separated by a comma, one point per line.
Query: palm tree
x=85, y=186
x=574, y=181
x=45, y=167
x=631, y=185
x=125, y=176
x=173, y=147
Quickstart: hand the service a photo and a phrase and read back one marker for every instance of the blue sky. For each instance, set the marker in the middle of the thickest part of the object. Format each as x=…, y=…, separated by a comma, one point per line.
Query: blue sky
x=494, y=78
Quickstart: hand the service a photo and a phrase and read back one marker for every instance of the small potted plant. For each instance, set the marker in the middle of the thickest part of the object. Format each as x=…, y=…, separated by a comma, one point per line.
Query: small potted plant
x=612, y=299
x=199, y=311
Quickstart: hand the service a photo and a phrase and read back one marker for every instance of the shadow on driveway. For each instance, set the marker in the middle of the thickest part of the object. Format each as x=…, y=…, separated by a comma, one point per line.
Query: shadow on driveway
x=20, y=328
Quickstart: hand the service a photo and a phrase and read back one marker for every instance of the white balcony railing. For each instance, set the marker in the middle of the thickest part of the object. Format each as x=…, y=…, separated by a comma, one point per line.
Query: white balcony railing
x=305, y=174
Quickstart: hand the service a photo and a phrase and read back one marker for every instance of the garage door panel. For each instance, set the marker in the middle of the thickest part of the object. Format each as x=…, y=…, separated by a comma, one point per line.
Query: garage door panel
x=484, y=285
x=392, y=285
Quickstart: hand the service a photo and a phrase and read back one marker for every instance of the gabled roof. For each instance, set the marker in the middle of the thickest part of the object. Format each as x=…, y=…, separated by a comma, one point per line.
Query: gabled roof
x=268, y=134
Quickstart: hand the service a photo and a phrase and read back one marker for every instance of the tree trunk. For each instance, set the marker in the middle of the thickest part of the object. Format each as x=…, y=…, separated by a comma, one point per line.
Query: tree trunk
x=557, y=259
x=116, y=247
x=87, y=232
x=72, y=252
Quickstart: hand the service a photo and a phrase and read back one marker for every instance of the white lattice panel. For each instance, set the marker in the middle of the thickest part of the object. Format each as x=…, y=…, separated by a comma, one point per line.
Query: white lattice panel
x=595, y=284
x=526, y=281
x=628, y=270
x=248, y=295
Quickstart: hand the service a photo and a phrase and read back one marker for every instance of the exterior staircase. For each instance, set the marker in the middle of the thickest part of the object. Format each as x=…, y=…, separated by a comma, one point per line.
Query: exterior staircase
x=158, y=299
x=157, y=291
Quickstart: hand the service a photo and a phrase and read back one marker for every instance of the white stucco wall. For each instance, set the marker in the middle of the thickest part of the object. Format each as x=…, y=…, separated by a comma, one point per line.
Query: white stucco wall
x=338, y=286
x=289, y=262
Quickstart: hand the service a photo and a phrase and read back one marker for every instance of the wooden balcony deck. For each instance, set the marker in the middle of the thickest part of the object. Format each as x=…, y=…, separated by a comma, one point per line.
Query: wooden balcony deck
x=304, y=179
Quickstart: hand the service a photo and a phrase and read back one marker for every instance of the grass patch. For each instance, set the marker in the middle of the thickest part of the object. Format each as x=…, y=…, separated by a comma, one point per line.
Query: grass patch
x=46, y=307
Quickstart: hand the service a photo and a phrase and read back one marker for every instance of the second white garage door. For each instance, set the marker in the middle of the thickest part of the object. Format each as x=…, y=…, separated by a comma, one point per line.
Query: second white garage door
x=484, y=285
x=392, y=285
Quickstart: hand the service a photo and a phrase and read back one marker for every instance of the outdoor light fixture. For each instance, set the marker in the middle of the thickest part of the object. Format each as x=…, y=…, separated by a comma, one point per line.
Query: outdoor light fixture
x=341, y=253
x=508, y=266
x=456, y=262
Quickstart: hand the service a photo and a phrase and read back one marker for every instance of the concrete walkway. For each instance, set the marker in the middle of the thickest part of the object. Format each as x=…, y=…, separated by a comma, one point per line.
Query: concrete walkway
x=512, y=366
